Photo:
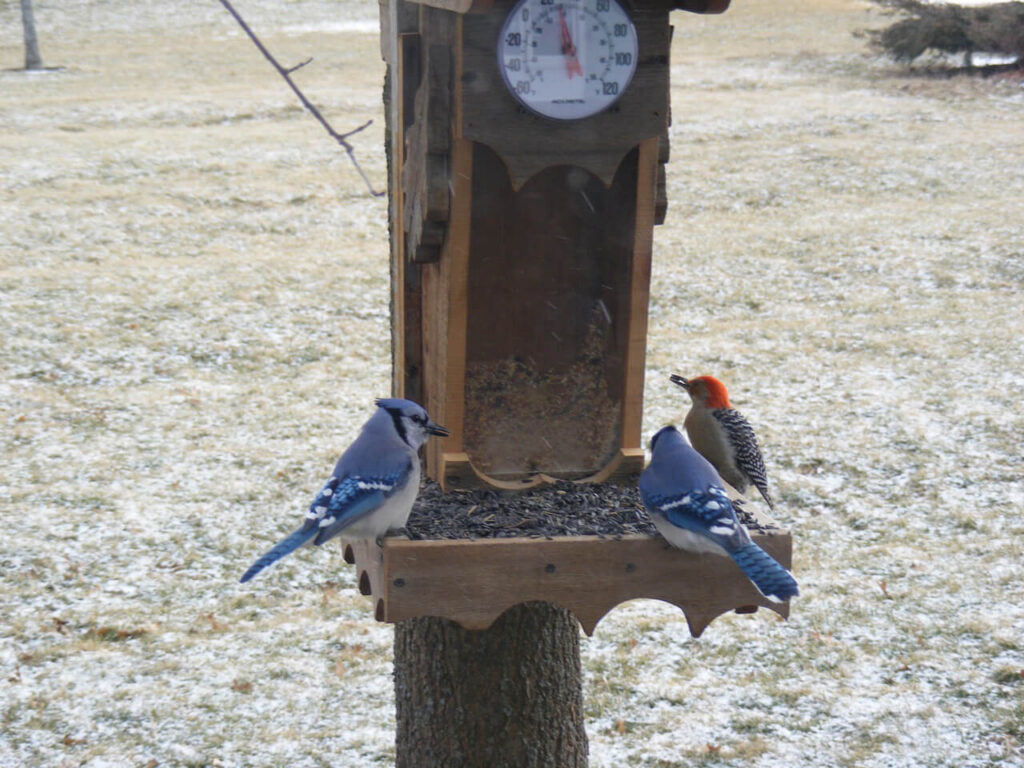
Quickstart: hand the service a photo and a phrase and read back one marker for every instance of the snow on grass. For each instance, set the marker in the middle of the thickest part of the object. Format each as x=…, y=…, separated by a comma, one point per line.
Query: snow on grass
x=194, y=306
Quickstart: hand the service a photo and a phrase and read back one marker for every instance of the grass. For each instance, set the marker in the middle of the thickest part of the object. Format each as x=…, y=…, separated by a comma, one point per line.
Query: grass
x=194, y=306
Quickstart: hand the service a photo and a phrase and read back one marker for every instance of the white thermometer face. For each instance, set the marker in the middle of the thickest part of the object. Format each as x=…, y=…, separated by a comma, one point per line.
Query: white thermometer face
x=567, y=59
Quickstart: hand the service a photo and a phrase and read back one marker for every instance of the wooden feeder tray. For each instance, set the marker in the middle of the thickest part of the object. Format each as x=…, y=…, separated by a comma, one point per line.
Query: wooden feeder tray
x=521, y=251
x=473, y=581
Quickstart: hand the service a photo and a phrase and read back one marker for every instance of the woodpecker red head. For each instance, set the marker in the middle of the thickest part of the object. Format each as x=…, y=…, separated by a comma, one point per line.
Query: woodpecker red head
x=705, y=390
x=722, y=436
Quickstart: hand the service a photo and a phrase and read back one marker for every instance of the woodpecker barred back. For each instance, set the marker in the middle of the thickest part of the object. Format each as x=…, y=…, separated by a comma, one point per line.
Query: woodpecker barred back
x=723, y=436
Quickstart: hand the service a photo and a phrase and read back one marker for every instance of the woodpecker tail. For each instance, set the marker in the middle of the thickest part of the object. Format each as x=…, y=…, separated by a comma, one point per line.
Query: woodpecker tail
x=771, y=579
x=284, y=547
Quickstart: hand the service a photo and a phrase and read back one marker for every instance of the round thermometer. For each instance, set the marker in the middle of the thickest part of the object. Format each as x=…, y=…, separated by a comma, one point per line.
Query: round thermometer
x=567, y=59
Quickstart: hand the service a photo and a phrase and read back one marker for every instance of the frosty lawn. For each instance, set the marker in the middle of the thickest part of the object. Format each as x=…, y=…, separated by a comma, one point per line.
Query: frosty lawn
x=194, y=307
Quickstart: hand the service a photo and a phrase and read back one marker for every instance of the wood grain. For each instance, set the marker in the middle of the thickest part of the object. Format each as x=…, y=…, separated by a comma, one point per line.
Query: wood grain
x=473, y=582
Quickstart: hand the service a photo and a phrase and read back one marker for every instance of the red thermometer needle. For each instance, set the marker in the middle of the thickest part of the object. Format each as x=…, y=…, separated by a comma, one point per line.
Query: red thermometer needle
x=572, y=63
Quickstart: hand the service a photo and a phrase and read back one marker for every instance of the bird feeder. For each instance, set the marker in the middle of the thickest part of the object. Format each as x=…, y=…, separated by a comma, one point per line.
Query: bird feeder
x=526, y=142
x=527, y=149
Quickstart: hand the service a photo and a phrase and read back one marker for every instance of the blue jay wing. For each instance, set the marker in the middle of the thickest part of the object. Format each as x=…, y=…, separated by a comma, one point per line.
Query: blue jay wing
x=712, y=516
x=708, y=513
x=344, y=500
x=340, y=503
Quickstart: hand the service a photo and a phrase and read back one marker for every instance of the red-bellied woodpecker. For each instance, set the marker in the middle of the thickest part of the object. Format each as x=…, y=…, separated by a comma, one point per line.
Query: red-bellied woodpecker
x=723, y=436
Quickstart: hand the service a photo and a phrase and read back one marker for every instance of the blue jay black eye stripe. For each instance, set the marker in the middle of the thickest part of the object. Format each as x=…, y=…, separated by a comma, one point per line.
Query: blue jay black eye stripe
x=396, y=417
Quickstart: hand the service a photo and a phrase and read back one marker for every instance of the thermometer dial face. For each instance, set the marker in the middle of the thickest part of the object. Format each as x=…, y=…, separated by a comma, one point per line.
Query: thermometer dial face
x=567, y=59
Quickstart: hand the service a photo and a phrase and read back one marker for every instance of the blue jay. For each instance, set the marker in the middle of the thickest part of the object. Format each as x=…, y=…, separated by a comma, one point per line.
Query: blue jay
x=691, y=509
x=373, y=486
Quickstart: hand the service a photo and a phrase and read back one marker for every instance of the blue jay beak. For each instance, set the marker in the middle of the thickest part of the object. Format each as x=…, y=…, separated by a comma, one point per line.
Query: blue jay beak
x=436, y=429
x=675, y=378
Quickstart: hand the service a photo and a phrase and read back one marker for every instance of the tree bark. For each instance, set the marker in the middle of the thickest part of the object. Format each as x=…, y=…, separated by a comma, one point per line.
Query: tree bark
x=32, y=58
x=506, y=697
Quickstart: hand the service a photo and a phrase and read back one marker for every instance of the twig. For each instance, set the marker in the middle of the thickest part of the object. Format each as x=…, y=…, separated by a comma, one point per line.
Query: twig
x=300, y=65
x=341, y=138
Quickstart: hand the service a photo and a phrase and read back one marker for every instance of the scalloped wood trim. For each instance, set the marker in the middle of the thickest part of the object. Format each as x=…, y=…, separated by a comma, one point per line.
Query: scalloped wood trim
x=472, y=582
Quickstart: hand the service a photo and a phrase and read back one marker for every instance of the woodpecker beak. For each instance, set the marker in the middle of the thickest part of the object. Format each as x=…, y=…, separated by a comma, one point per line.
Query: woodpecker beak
x=675, y=378
x=437, y=429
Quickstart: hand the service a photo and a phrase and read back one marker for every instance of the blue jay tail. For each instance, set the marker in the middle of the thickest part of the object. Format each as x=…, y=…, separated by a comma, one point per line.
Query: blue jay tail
x=771, y=579
x=284, y=547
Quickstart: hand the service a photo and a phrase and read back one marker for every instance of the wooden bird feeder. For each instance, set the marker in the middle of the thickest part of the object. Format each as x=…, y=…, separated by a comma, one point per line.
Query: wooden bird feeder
x=527, y=141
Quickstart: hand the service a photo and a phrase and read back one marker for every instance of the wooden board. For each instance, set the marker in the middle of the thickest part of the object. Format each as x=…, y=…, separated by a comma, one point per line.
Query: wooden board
x=426, y=173
x=640, y=286
x=400, y=46
x=473, y=582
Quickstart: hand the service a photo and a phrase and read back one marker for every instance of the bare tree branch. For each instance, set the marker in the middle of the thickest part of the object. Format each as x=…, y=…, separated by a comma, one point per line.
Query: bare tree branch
x=300, y=65
x=341, y=138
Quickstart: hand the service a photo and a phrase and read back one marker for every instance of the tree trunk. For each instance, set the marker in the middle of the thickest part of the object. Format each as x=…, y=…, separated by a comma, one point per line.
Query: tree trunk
x=506, y=697
x=32, y=58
